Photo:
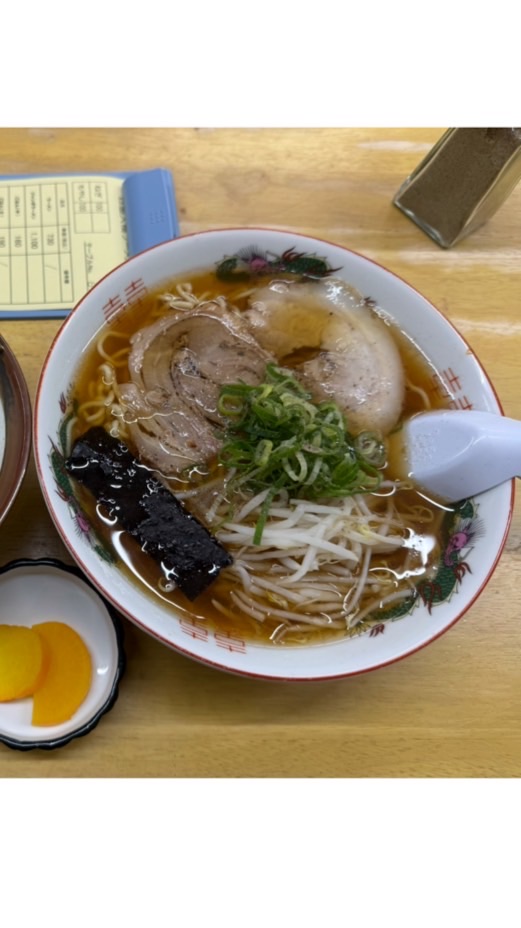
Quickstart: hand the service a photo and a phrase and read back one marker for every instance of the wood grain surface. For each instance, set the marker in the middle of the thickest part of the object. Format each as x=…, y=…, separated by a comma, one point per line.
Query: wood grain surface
x=454, y=708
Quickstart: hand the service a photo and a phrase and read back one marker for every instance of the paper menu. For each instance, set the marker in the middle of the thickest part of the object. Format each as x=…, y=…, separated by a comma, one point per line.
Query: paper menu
x=60, y=234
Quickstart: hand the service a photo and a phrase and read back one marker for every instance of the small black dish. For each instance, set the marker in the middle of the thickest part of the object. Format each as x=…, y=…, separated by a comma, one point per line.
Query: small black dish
x=45, y=590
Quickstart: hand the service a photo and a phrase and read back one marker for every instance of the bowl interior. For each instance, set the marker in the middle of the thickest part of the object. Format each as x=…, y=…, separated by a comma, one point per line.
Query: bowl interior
x=455, y=371
x=15, y=427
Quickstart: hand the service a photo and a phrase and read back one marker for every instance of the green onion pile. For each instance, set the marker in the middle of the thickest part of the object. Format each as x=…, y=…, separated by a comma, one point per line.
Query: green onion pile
x=277, y=438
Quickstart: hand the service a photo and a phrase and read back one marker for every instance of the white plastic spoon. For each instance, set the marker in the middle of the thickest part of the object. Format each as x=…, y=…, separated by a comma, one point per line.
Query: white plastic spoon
x=453, y=454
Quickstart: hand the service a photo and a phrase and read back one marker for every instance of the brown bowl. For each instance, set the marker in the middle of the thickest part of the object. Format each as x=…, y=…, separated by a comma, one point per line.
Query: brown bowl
x=15, y=427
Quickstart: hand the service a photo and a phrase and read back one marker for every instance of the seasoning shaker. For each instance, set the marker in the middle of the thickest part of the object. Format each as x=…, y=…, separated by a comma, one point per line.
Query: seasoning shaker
x=463, y=180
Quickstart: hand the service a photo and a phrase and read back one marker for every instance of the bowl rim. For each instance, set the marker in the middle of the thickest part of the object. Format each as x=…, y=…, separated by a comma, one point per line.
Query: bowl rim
x=18, y=412
x=177, y=647
x=48, y=744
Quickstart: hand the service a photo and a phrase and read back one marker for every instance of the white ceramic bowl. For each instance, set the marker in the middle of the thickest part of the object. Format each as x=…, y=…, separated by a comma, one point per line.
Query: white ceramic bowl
x=47, y=590
x=458, y=371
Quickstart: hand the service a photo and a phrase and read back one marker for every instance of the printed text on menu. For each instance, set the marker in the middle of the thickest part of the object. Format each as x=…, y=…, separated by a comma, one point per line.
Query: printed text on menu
x=58, y=237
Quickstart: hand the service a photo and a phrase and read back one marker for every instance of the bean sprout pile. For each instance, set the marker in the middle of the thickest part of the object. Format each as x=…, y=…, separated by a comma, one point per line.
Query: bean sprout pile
x=323, y=565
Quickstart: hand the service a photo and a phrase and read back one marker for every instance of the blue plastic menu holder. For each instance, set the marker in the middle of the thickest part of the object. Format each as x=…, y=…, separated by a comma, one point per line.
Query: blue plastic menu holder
x=150, y=209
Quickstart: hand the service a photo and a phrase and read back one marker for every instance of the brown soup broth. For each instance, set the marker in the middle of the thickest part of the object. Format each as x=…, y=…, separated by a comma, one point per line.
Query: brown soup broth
x=422, y=390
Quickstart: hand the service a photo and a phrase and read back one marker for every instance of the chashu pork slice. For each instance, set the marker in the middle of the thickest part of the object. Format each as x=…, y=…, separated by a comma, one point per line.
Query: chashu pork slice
x=354, y=359
x=177, y=367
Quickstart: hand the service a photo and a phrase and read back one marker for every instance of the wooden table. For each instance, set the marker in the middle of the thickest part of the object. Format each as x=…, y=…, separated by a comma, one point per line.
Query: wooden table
x=454, y=708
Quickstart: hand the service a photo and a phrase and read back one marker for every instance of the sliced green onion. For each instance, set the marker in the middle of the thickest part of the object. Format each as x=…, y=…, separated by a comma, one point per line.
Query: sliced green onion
x=261, y=521
x=276, y=438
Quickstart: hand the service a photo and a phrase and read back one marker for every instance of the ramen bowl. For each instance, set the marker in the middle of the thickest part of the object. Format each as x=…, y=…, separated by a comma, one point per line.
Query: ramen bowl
x=15, y=428
x=474, y=531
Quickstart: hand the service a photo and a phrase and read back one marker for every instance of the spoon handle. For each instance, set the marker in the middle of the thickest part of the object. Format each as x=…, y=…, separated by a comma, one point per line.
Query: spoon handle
x=495, y=441
x=456, y=454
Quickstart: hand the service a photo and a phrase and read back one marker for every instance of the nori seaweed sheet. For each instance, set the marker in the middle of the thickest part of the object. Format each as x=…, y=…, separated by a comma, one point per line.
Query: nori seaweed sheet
x=144, y=507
